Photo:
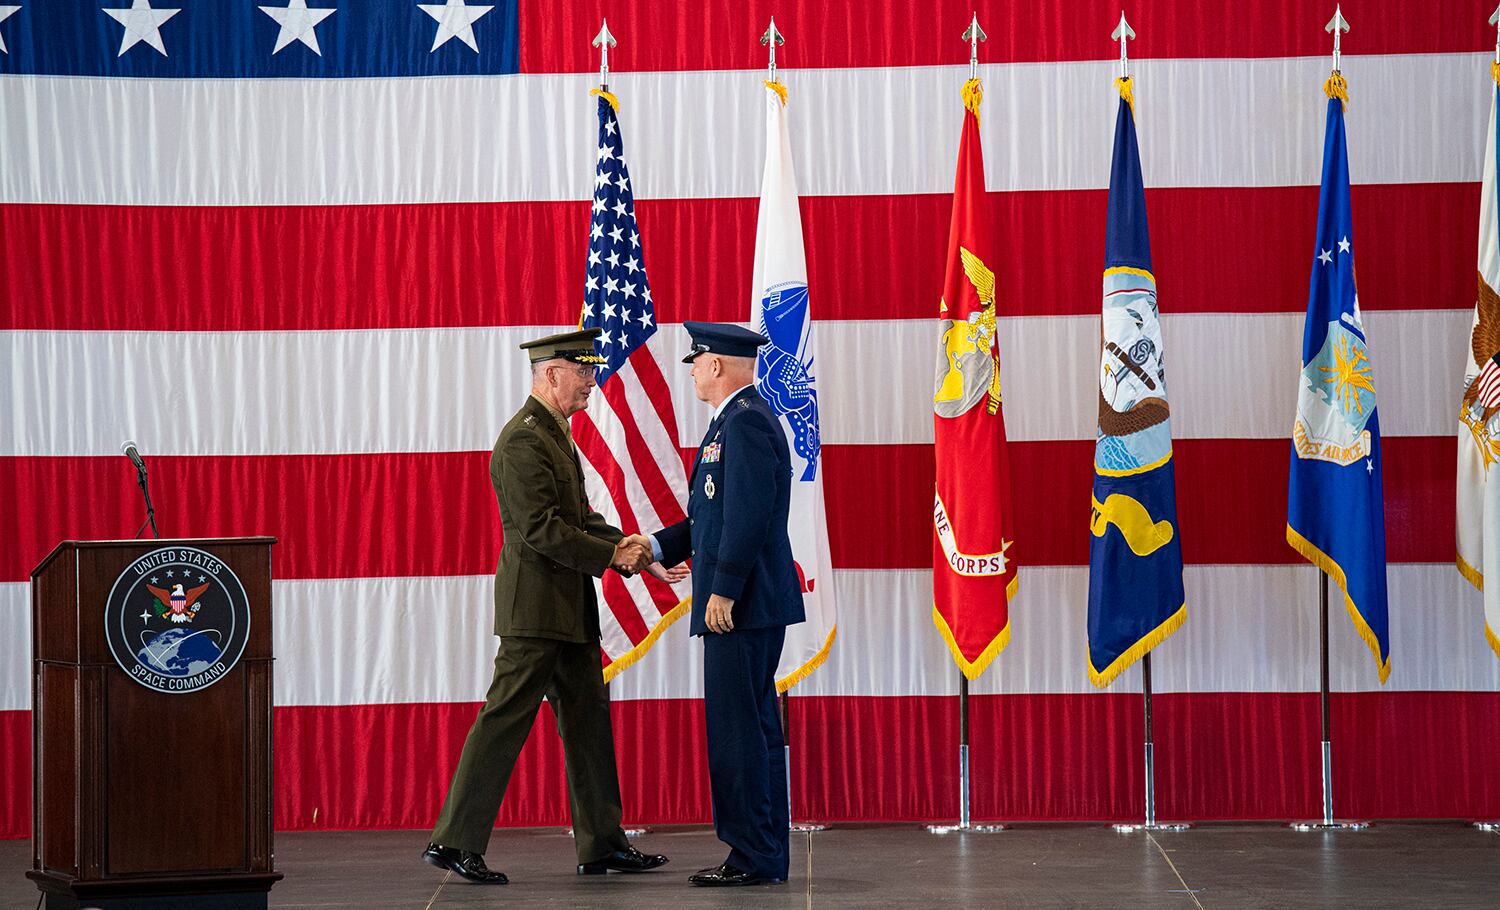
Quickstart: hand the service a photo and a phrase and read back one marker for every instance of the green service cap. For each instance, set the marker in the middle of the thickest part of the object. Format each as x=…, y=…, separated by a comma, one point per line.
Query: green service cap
x=575, y=346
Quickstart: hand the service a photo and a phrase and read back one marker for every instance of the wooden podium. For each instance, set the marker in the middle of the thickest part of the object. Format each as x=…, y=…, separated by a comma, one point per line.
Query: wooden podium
x=151, y=724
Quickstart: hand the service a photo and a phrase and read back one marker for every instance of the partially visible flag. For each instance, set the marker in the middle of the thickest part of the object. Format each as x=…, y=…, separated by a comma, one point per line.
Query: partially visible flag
x=1479, y=411
x=1136, y=596
x=628, y=435
x=1335, y=509
x=779, y=308
x=974, y=572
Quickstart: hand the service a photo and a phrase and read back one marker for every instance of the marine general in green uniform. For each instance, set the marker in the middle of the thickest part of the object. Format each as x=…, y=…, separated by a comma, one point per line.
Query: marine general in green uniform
x=547, y=617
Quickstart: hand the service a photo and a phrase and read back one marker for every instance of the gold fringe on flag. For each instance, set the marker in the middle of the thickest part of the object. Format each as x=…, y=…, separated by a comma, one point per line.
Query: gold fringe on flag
x=1495, y=72
x=779, y=89
x=973, y=93
x=1127, y=91
x=1337, y=87
x=607, y=96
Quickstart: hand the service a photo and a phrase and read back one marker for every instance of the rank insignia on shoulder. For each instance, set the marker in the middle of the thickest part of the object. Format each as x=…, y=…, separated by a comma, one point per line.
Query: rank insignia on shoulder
x=529, y=420
x=743, y=402
x=712, y=452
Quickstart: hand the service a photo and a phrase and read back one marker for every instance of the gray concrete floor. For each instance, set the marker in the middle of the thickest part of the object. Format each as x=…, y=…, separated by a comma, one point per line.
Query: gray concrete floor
x=871, y=868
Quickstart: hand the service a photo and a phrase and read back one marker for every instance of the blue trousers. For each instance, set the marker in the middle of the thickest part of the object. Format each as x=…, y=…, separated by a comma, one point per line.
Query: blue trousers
x=746, y=748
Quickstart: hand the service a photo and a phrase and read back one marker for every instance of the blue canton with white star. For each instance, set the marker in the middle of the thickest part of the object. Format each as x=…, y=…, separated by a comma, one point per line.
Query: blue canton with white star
x=616, y=296
x=258, y=39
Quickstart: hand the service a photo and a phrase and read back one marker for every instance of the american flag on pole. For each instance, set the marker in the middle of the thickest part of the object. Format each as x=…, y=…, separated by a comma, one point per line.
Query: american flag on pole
x=628, y=435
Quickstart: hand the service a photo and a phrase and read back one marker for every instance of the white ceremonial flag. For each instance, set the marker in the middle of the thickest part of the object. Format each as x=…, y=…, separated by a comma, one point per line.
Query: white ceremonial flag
x=1479, y=410
x=785, y=379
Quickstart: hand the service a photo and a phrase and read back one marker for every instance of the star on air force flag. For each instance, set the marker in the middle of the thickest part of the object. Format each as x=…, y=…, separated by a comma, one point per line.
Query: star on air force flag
x=784, y=377
x=1335, y=509
x=1136, y=595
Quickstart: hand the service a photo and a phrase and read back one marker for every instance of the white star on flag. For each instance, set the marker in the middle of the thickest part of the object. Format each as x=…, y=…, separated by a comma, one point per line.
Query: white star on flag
x=142, y=23
x=298, y=23
x=1325, y=257
x=1344, y=245
x=615, y=233
x=6, y=12
x=455, y=20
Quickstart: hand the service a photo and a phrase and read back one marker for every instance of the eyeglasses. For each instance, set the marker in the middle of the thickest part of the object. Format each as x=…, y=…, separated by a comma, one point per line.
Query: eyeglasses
x=582, y=371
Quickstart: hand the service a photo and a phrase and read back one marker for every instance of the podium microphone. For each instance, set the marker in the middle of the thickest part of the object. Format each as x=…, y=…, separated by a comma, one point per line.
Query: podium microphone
x=134, y=454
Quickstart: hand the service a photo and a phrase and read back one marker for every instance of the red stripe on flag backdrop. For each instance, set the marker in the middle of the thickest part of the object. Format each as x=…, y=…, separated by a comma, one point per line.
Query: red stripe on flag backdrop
x=669, y=35
x=1053, y=757
x=345, y=503
x=123, y=269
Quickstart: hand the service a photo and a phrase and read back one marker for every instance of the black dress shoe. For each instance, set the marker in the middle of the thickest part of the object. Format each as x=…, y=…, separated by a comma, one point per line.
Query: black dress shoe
x=628, y=860
x=463, y=864
x=728, y=876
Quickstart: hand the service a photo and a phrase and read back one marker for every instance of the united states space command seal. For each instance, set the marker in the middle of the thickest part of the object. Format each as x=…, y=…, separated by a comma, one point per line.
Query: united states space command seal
x=177, y=620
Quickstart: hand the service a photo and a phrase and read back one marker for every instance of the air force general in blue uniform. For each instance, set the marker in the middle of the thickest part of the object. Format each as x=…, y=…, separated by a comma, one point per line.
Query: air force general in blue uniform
x=736, y=533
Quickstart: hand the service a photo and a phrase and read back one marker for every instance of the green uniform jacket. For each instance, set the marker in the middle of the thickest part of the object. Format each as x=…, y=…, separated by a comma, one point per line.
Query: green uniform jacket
x=555, y=545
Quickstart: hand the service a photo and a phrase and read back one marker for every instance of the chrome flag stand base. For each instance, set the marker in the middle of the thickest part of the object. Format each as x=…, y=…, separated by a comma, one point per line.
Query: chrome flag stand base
x=1491, y=827
x=629, y=832
x=1150, y=824
x=1329, y=823
x=964, y=825
x=1171, y=827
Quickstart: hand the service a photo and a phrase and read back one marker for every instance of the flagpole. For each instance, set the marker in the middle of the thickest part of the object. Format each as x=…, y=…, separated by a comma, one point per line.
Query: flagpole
x=786, y=731
x=1151, y=823
x=972, y=36
x=965, y=824
x=1492, y=826
x=604, y=41
x=1328, y=823
x=1124, y=33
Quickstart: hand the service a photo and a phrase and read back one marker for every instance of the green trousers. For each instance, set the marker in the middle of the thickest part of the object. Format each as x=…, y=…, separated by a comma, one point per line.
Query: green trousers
x=569, y=676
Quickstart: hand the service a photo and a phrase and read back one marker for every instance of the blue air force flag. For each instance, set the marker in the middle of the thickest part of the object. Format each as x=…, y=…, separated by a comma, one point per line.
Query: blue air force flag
x=1136, y=596
x=1335, y=510
x=784, y=377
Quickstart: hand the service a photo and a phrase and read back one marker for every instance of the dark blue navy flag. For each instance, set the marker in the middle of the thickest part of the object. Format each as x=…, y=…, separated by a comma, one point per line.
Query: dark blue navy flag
x=1335, y=509
x=1136, y=595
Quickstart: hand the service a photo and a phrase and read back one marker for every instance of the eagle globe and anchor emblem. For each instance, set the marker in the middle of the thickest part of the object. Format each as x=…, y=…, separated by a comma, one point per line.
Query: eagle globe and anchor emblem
x=177, y=620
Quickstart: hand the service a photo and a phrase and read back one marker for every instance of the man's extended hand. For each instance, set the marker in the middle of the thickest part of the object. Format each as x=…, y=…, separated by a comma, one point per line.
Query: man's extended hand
x=718, y=615
x=632, y=554
x=671, y=576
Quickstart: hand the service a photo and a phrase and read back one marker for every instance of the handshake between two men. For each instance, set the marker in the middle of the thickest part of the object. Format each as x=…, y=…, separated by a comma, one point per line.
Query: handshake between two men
x=633, y=556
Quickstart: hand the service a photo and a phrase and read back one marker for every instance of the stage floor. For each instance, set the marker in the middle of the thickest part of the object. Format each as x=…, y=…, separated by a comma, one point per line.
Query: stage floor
x=1387, y=866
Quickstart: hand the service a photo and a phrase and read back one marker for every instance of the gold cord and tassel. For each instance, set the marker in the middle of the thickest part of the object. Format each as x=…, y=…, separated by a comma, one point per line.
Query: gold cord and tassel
x=1337, y=87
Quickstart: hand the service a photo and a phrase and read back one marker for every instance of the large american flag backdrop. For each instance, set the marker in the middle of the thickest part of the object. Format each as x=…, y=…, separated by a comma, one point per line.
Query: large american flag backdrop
x=292, y=254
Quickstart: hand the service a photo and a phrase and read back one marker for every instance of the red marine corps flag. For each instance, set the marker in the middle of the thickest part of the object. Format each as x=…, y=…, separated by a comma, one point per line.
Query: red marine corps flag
x=974, y=572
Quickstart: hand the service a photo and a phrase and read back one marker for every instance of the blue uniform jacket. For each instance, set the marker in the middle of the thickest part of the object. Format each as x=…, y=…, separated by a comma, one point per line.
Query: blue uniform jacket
x=741, y=489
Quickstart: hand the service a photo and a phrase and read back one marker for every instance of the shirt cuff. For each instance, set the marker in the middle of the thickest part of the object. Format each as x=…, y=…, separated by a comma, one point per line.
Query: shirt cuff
x=655, y=548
